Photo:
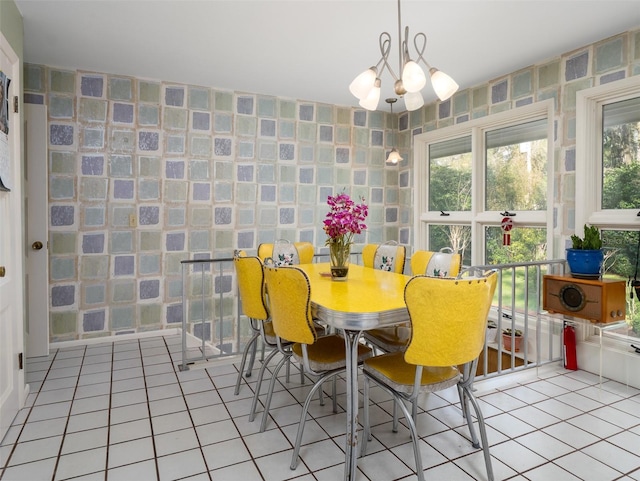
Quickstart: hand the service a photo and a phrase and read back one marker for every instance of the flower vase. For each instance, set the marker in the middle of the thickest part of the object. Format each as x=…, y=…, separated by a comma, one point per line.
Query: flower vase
x=339, y=254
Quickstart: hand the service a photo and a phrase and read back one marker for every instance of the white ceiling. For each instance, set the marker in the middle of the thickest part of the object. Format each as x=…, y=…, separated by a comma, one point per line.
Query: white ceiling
x=309, y=49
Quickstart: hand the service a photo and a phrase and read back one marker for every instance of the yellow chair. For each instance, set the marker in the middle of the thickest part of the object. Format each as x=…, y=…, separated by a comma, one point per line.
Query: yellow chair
x=252, y=294
x=387, y=257
x=430, y=263
x=322, y=356
x=251, y=290
x=448, y=321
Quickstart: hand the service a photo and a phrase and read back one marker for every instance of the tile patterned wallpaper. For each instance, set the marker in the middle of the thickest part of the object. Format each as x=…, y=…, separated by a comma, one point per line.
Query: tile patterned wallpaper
x=144, y=174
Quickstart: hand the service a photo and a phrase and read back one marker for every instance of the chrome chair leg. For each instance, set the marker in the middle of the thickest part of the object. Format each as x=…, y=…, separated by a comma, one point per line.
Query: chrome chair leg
x=251, y=344
x=272, y=383
x=252, y=359
x=468, y=395
x=394, y=426
x=465, y=389
x=414, y=438
x=335, y=395
x=303, y=415
x=410, y=421
x=256, y=394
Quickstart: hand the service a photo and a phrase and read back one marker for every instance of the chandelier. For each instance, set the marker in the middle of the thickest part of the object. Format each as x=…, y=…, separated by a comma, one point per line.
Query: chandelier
x=366, y=86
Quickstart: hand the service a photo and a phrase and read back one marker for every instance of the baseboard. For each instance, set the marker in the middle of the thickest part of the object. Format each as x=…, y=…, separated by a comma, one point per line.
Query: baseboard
x=124, y=337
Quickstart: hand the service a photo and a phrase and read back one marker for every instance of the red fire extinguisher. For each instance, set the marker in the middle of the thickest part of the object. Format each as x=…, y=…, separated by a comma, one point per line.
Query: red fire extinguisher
x=569, y=340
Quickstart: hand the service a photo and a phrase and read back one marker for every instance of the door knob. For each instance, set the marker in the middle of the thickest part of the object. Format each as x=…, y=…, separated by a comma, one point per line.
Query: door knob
x=3, y=271
x=36, y=246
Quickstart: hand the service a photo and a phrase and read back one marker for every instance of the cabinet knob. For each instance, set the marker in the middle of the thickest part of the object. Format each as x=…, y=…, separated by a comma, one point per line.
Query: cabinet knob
x=3, y=271
x=36, y=246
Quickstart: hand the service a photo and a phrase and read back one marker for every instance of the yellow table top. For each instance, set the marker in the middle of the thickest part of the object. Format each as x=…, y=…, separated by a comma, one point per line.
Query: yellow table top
x=369, y=298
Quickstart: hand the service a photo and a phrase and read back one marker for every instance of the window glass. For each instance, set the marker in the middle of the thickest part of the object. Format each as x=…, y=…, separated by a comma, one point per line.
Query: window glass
x=457, y=237
x=621, y=155
x=450, y=175
x=526, y=244
x=621, y=263
x=516, y=167
x=459, y=193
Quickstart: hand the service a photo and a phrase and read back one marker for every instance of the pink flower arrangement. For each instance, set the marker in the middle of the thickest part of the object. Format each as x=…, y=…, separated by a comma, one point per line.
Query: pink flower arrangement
x=344, y=219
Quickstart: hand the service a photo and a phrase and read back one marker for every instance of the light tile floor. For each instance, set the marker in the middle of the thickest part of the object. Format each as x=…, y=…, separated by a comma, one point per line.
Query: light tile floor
x=123, y=411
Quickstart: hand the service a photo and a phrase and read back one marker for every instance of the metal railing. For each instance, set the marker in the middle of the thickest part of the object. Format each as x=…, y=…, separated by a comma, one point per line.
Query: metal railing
x=205, y=281
x=213, y=326
x=517, y=306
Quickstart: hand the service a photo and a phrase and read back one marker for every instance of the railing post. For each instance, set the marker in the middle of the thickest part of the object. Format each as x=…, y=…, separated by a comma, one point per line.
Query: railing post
x=183, y=364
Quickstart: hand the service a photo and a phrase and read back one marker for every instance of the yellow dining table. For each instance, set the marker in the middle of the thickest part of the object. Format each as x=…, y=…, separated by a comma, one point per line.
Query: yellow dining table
x=368, y=299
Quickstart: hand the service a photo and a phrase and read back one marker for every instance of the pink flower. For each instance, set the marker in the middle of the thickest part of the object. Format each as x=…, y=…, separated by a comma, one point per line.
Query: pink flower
x=344, y=219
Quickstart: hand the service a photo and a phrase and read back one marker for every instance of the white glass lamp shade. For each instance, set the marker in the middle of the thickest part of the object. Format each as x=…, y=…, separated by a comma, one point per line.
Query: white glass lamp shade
x=371, y=100
x=413, y=77
x=363, y=83
x=413, y=101
x=443, y=85
x=394, y=157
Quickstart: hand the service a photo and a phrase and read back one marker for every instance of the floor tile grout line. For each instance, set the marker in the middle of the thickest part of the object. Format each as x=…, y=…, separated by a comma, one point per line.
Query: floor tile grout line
x=153, y=441
x=233, y=420
x=567, y=420
x=420, y=438
x=184, y=398
x=36, y=394
x=106, y=462
x=66, y=426
x=314, y=418
x=280, y=428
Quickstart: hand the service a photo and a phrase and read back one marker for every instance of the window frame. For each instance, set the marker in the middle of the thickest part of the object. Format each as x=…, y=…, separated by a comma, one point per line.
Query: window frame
x=589, y=104
x=477, y=218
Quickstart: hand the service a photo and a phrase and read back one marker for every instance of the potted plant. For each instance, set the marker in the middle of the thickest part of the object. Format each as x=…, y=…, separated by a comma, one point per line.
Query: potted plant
x=492, y=329
x=508, y=335
x=585, y=257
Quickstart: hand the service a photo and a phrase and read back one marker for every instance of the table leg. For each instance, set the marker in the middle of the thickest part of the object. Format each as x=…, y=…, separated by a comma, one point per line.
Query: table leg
x=351, y=339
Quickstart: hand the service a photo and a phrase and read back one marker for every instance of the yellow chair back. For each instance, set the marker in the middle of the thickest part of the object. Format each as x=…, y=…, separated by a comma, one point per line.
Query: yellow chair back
x=387, y=257
x=289, y=294
x=251, y=285
x=306, y=252
x=435, y=264
x=448, y=319
x=300, y=252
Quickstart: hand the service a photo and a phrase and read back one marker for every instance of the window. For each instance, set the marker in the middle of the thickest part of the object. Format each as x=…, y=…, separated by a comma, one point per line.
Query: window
x=608, y=179
x=470, y=176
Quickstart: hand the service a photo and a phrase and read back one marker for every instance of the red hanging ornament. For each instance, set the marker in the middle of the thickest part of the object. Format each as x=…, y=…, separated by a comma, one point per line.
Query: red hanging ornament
x=507, y=225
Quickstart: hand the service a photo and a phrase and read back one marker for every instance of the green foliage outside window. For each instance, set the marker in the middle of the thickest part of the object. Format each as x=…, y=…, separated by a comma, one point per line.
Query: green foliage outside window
x=621, y=190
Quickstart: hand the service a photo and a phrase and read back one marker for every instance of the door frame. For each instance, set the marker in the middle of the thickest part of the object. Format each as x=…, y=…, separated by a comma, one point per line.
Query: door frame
x=13, y=390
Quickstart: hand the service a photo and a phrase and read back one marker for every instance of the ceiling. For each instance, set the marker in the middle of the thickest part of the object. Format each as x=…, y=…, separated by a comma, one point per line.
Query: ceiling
x=309, y=49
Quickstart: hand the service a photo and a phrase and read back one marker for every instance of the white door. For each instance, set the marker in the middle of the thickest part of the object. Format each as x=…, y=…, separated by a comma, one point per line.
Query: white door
x=12, y=386
x=37, y=233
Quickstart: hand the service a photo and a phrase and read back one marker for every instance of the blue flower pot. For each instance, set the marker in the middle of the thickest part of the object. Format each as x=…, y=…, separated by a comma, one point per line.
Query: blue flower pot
x=585, y=261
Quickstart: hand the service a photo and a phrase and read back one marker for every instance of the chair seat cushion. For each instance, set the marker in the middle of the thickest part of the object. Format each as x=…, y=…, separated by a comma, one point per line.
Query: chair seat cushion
x=328, y=353
x=392, y=370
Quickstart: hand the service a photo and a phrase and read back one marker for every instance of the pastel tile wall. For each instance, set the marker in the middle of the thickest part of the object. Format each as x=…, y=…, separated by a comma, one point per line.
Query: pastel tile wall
x=204, y=171
x=144, y=174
